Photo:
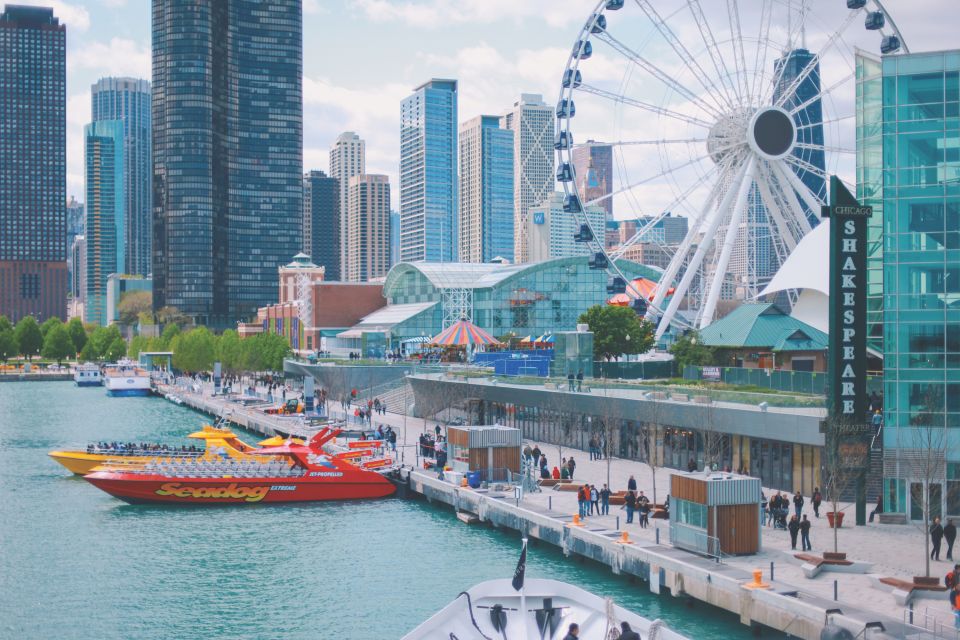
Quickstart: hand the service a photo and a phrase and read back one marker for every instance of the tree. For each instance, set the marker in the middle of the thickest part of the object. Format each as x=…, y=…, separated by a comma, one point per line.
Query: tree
x=616, y=331
x=170, y=332
x=49, y=324
x=690, y=350
x=132, y=304
x=171, y=315
x=845, y=455
x=651, y=432
x=8, y=344
x=77, y=333
x=58, y=345
x=195, y=350
x=29, y=338
x=5, y=324
x=229, y=351
x=103, y=338
x=89, y=352
x=138, y=344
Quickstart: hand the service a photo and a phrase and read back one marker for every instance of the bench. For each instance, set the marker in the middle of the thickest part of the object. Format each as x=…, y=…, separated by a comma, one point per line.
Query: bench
x=892, y=518
x=567, y=485
x=905, y=591
x=702, y=400
x=550, y=482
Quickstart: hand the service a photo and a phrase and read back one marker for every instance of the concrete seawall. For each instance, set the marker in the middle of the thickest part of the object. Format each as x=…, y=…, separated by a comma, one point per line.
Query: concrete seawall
x=36, y=377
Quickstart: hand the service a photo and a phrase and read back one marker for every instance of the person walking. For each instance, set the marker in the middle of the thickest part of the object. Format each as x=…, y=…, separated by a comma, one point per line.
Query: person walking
x=936, y=536
x=805, y=534
x=632, y=484
x=816, y=499
x=644, y=514
x=594, y=500
x=630, y=503
x=605, y=501
x=794, y=528
x=591, y=446
x=798, y=503
x=879, y=508
x=950, y=534
x=571, y=465
x=580, y=502
x=955, y=606
x=580, y=381
x=570, y=386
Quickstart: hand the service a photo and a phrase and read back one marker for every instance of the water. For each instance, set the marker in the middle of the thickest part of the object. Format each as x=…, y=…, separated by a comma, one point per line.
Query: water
x=76, y=563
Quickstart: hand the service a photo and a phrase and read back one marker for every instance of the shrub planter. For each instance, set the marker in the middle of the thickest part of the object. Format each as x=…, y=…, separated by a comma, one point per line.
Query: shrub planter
x=835, y=515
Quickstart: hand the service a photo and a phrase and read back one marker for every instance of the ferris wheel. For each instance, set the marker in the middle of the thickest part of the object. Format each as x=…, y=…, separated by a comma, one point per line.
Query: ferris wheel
x=732, y=114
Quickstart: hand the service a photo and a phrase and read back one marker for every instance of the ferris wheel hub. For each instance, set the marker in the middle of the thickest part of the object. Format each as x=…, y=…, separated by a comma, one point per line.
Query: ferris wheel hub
x=728, y=134
x=771, y=133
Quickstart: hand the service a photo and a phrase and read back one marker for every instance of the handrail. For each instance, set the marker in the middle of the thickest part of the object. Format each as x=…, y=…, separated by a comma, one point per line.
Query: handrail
x=695, y=539
x=932, y=624
x=873, y=440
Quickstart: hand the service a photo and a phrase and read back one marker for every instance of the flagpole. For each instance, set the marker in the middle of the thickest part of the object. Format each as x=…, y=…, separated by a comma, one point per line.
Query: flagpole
x=523, y=600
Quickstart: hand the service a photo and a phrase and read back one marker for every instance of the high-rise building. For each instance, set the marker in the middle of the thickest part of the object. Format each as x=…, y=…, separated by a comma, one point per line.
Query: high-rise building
x=869, y=126
x=921, y=286
x=486, y=190
x=227, y=153
x=428, y=173
x=368, y=227
x=33, y=178
x=106, y=233
x=532, y=122
x=394, y=237
x=348, y=158
x=321, y=221
x=76, y=218
x=550, y=229
x=128, y=100
x=593, y=166
x=78, y=277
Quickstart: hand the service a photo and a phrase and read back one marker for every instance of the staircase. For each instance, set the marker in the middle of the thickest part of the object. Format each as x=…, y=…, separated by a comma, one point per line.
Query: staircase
x=397, y=394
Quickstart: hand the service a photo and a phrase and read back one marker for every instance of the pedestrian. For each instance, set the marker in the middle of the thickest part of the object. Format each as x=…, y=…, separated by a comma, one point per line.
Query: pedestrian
x=950, y=533
x=950, y=580
x=798, y=503
x=528, y=453
x=805, y=534
x=816, y=500
x=580, y=380
x=605, y=501
x=644, y=514
x=564, y=472
x=632, y=484
x=570, y=386
x=556, y=473
x=626, y=633
x=594, y=500
x=536, y=453
x=955, y=605
x=591, y=445
x=691, y=465
x=879, y=508
x=794, y=528
x=936, y=536
x=630, y=503
x=573, y=632
x=571, y=464
x=582, y=500
x=603, y=447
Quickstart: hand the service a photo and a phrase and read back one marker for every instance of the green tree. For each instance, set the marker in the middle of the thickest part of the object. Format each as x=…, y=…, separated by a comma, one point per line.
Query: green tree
x=102, y=339
x=77, y=333
x=5, y=324
x=230, y=351
x=137, y=345
x=616, y=331
x=170, y=332
x=690, y=350
x=57, y=345
x=116, y=350
x=49, y=324
x=89, y=352
x=273, y=349
x=29, y=338
x=8, y=345
x=195, y=350
x=132, y=304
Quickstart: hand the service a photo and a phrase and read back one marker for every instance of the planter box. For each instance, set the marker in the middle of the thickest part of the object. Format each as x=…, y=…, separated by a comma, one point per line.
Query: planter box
x=838, y=516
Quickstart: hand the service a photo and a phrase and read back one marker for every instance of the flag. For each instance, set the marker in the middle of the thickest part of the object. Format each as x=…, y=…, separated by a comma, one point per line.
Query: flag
x=521, y=569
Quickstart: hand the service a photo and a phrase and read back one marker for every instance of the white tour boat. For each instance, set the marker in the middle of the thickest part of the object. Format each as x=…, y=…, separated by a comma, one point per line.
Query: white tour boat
x=126, y=379
x=87, y=375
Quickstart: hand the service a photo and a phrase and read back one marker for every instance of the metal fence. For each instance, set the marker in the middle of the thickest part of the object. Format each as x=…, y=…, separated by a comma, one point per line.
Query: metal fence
x=634, y=370
x=928, y=625
x=694, y=539
x=779, y=379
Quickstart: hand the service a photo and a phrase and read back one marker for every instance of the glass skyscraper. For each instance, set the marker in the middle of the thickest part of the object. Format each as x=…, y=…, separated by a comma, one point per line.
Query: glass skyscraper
x=128, y=100
x=869, y=120
x=428, y=173
x=105, y=177
x=486, y=190
x=227, y=144
x=921, y=282
x=33, y=164
x=321, y=222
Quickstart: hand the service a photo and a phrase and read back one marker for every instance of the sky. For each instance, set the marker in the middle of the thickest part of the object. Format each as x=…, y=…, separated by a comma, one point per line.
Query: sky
x=361, y=57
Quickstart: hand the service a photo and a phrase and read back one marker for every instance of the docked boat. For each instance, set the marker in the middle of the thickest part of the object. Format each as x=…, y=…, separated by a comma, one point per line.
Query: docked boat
x=292, y=473
x=87, y=375
x=217, y=441
x=126, y=379
x=543, y=610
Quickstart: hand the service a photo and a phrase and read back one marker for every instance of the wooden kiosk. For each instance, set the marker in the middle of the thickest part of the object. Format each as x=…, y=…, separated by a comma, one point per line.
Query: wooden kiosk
x=714, y=513
x=484, y=448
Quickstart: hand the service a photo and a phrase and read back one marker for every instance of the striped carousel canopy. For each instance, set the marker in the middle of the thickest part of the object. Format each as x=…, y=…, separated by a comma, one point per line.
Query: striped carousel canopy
x=463, y=333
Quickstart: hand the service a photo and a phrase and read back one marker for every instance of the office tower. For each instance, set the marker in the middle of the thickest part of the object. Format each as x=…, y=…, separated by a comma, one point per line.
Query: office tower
x=75, y=221
x=78, y=277
x=593, y=166
x=869, y=127
x=227, y=154
x=321, y=222
x=550, y=229
x=394, y=237
x=428, y=173
x=128, y=100
x=368, y=227
x=532, y=122
x=348, y=158
x=33, y=179
x=486, y=190
x=921, y=217
x=106, y=233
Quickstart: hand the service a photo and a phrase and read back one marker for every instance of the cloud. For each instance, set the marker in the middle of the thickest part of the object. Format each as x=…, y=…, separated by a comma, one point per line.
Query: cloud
x=431, y=14
x=312, y=7
x=118, y=57
x=71, y=14
x=78, y=116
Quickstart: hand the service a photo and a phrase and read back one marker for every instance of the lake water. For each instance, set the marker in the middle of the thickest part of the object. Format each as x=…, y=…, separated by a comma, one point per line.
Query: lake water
x=77, y=563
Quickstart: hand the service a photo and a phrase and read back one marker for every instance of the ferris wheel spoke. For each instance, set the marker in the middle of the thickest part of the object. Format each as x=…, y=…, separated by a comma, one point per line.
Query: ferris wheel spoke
x=634, y=185
x=766, y=15
x=824, y=123
x=792, y=186
x=682, y=52
x=775, y=207
x=802, y=165
x=632, y=143
x=740, y=61
x=713, y=50
x=646, y=106
x=820, y=147
x=658, y=73
x=819, y=96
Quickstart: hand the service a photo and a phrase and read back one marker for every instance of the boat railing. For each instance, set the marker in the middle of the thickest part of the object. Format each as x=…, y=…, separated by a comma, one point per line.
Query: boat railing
x=140, y=453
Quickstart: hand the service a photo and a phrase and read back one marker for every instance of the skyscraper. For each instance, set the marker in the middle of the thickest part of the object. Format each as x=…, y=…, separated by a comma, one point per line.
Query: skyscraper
x=104, y=153
x=321, y=222
x=593, y=166
x=128, y=100
x=532, y=122
x=550, y=229
x=368, y=227
x=486, y=190
x=348, y=158
x=33, y=178
x=394, y=237
x=76, y=218
x=227, y=144
x=428, y=173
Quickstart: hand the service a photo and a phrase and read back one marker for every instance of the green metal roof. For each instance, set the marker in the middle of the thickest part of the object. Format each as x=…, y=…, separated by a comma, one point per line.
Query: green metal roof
x=763, y=325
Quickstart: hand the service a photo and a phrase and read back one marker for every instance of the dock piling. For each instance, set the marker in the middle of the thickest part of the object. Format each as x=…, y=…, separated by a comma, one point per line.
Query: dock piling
x=835, y=594
x=771, y=571
x=618, y=523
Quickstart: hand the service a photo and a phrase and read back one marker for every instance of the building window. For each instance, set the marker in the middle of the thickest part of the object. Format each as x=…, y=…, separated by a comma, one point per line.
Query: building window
x=29, y=285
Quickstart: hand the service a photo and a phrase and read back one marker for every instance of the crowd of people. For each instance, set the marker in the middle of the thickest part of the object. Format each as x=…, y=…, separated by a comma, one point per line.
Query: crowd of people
x=135, y=447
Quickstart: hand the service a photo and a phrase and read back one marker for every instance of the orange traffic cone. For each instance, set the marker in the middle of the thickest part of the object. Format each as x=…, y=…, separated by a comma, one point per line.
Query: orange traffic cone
x=576, y=521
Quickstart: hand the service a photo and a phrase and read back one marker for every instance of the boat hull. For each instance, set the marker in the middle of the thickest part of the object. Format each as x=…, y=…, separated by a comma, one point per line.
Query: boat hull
x=124, y=393
x=89, y=383
x=78, y=462
x=139, y=489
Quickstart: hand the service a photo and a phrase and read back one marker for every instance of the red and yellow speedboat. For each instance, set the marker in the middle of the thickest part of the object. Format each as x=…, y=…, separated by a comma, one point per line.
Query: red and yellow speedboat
x=293, y=473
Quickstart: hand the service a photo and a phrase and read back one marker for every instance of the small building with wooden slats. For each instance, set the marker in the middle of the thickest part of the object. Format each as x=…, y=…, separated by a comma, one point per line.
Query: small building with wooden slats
x=715, y=513
x=478, y=448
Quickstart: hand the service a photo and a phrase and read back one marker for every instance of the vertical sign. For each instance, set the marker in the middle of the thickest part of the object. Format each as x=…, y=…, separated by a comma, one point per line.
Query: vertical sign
x=308, y=393
x=217, y=378
x=847, y=358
